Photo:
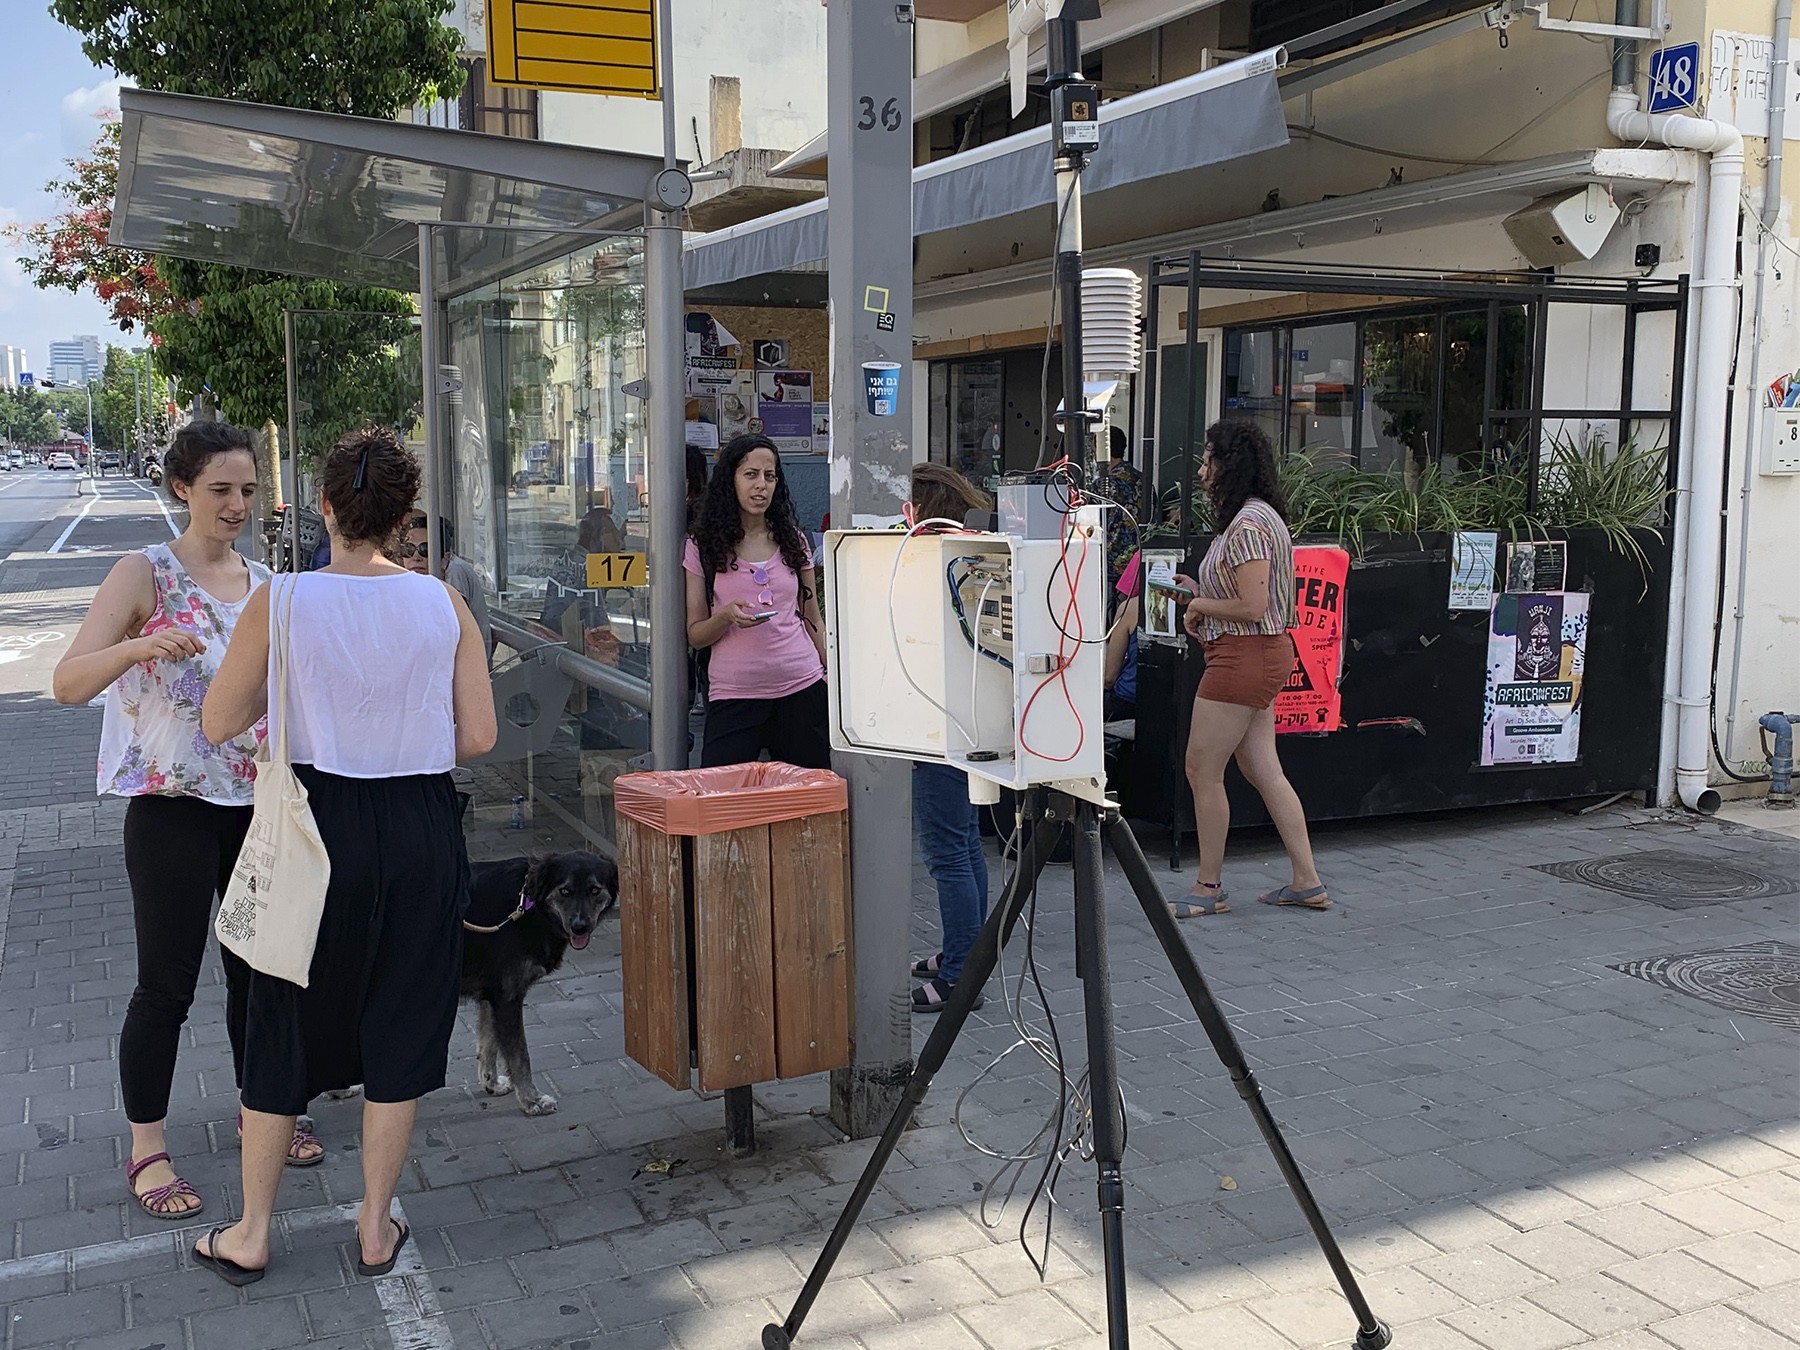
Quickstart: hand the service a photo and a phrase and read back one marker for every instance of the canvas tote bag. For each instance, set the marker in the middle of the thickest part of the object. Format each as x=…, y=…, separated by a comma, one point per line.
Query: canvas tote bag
x=270, y=915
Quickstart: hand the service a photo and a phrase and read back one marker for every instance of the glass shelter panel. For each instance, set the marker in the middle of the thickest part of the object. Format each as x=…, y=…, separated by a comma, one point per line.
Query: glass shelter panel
x=550, y=508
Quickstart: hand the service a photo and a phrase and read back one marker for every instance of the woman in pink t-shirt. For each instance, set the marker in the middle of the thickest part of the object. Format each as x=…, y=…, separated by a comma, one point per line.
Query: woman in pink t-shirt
x=750, y=599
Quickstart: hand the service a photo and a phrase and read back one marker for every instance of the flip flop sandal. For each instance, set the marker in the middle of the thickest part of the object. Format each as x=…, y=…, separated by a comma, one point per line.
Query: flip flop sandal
x=223, y=1266
x=930, y=966
x=302, y=1139
x=383, y=1267
x=155, y=1200
x=1312, y=898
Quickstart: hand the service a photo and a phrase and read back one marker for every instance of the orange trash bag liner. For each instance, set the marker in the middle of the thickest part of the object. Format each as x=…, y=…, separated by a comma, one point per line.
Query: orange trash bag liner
x=730, y=797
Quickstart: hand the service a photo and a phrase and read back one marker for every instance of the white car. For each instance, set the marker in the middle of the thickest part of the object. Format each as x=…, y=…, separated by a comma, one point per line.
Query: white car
x=62, y=459
x=18, y=459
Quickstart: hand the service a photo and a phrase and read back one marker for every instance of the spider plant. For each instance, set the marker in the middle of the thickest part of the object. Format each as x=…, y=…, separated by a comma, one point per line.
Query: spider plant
x=1591, y=485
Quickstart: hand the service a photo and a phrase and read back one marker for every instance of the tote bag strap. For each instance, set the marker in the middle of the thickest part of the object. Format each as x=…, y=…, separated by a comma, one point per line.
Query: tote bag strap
x=281, y=610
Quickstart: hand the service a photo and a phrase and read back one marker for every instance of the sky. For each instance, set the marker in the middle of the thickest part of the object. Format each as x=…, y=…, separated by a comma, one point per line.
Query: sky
x=50, y=94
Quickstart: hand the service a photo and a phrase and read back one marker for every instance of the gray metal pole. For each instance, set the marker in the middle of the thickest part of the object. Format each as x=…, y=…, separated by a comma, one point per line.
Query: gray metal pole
x=869, y=60
x=428, y=362
x=291, y=345
x=665, y=325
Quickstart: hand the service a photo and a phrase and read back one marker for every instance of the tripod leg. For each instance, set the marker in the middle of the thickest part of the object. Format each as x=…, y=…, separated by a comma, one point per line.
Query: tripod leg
x=1371, y=1332
x=1103, y=1070
x=1035, y=849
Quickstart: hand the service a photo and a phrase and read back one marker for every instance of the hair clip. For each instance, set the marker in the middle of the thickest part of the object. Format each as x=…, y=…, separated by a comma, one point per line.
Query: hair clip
x=362, y=469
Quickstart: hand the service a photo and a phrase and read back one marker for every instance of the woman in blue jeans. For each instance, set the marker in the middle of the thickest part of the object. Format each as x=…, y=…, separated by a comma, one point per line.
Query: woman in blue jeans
x=947, y=824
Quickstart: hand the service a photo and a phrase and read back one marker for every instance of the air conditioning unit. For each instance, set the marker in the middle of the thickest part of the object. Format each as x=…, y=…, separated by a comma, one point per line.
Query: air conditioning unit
x=1568, y=227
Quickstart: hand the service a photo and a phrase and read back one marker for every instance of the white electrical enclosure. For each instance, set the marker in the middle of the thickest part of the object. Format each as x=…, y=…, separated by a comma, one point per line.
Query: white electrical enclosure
x=984, y=651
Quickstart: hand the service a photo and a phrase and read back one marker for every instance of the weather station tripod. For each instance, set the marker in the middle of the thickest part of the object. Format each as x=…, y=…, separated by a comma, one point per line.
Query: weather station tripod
x=1048, y=815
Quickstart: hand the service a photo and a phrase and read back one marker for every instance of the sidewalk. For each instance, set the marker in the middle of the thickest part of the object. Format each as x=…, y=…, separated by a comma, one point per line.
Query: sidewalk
x=1539, y=1111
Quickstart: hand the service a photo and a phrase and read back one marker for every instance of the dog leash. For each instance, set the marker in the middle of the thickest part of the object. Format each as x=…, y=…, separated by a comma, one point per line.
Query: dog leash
x=519, y=911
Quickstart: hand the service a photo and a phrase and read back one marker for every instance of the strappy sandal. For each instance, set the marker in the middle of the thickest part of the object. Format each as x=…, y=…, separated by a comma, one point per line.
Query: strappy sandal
x=1314, y=897
x=934, y=995
x=930, y=966
x=303, y=1139
x=1204, y=902
x=155, y=1201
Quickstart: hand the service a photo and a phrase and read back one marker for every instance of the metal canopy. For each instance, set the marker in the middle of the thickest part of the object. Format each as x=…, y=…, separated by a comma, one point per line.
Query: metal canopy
x=342, y=198
x=1229, y=112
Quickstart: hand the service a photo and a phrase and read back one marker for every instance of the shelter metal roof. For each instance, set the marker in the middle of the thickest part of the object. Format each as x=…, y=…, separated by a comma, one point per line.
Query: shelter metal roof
x=327, y=195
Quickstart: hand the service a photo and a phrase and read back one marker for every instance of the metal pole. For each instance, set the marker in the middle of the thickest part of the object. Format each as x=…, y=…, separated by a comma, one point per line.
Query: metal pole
x=665, y=324
x=289, y=324
x=869, y=59
x=428, y=361
x=1063, y=65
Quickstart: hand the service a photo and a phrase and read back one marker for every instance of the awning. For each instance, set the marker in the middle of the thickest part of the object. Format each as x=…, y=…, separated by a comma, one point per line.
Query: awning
x=1217, y=115
x=325, y=195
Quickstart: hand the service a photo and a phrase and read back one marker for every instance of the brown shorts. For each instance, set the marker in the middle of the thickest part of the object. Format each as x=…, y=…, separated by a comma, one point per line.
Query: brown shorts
x=1247, y=670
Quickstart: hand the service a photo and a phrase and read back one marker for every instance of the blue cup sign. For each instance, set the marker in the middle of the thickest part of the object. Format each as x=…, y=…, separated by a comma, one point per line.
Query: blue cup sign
x=881, y=382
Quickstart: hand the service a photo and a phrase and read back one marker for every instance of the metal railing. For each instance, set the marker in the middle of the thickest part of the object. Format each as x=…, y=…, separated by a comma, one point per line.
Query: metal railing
x=613, y=683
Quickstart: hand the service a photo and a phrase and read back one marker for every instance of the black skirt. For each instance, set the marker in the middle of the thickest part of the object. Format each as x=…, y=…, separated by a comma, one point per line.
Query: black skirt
x=380, y=1003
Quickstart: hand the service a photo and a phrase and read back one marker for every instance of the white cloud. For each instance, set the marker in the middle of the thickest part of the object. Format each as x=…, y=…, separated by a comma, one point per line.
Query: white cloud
x=82, y=109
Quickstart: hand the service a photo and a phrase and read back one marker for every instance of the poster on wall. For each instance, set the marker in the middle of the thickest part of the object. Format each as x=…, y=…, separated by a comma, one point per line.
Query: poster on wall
x=821, y=432
x=1472, y=569
x=784, y=402
x=1310, y=700
x=737, y=408
x=1163, y=606
x=1537, y=567
x=1537, y=653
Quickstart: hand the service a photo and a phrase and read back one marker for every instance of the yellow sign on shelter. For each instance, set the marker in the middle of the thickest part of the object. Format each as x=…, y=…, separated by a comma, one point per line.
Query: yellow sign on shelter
x=588, y=46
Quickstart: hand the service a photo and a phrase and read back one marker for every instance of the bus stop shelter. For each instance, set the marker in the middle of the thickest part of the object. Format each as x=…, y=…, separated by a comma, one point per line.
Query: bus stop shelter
x=522, y=388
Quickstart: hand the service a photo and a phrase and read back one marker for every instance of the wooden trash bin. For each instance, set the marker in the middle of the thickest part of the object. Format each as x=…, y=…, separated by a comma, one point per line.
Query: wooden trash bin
x=734, y=902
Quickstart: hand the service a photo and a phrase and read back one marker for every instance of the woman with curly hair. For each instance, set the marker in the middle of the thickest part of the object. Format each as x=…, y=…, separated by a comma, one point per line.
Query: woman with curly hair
x=750, y=599
x=1241, y=611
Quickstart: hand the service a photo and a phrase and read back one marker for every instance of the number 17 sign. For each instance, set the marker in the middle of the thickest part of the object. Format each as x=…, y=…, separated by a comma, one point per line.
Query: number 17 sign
x=1675, y=77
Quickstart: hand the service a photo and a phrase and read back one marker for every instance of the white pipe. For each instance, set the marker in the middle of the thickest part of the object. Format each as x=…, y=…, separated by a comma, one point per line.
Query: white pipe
x=1753, y=418
x=1704, y=458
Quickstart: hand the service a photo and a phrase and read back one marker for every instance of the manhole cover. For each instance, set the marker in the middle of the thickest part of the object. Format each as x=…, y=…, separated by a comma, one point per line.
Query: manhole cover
x=1761, y=979
x=1670, y=879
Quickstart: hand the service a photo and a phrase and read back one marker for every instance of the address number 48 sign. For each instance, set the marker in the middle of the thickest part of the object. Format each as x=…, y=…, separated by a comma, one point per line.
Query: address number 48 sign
x=1675, y=78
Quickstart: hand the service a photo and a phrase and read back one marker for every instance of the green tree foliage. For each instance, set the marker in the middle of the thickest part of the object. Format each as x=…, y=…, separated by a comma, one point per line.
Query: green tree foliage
x=123, y=398
x=27, y=417
x=224, y=336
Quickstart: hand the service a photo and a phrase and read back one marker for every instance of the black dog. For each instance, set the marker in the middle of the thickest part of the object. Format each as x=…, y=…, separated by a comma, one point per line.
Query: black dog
x=524, y=915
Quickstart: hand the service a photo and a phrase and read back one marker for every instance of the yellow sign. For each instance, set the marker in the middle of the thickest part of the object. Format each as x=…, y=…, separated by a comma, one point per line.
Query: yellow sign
x=616, y=569
x=589, y=46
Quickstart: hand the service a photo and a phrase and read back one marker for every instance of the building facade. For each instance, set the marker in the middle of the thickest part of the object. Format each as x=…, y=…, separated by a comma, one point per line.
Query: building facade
x=75, y=360
x=13, y=363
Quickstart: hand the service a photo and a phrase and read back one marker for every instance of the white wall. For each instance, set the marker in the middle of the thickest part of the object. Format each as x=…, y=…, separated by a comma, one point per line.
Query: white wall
x=776, y=48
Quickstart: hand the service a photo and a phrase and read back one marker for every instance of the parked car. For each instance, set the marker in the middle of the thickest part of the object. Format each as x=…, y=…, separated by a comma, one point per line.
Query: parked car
x=6, y=464
x=110, y=462
x=62, y=459
x=18, y=459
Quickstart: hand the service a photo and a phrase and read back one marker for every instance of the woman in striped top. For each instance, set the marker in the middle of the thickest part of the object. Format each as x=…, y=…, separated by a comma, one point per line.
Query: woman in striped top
x=1241, y=611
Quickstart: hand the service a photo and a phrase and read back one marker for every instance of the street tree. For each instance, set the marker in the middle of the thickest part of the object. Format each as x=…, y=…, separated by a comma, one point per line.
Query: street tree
x=27, y=417
x=221, y=332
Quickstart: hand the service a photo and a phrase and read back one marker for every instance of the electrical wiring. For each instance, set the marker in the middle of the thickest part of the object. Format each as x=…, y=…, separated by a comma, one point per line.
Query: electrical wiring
x=950, y=527
x=962, y=618
x=1060, y=676
x=975, y=667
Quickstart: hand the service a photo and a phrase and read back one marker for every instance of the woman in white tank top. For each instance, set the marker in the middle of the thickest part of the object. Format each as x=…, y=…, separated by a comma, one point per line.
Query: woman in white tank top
x=388, y=688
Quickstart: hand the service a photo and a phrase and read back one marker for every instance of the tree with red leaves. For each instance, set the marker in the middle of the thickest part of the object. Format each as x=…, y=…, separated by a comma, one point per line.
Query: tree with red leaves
x=69, y=252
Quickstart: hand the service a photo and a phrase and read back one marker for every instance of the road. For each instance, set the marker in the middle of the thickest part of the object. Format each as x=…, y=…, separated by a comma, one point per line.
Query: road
x=56, y=544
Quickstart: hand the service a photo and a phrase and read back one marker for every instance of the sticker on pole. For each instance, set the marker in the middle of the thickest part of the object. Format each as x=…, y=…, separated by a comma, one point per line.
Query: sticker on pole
x=881, y=383
x=1675, y=78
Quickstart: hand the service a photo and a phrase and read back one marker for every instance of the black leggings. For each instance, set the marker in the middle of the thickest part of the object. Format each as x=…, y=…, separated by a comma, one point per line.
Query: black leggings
x=179, y=852
x=791, y=728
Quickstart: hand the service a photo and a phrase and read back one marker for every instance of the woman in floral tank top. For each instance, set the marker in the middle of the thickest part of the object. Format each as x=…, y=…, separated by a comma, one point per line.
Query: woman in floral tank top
x=152, y=642
x=1241, y=609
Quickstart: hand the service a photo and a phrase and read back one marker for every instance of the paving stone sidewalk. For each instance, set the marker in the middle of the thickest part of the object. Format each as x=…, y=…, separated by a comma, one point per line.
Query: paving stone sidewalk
x=1539, y=1112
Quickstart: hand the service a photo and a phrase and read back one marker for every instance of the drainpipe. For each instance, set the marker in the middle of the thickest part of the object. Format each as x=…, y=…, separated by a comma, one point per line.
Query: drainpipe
x=1781, y=759
x=1703, y=461
x=1770, y=214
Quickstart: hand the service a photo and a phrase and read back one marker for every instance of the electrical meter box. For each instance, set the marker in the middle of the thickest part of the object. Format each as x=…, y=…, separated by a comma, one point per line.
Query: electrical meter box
x=983, y=651
x=1781, y=442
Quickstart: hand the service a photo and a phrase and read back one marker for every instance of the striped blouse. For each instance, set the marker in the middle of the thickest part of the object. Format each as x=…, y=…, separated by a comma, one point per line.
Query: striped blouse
x=1257, y=532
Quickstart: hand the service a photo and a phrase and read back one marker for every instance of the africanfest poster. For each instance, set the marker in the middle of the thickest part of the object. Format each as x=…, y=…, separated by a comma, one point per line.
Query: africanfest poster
x=1537, y=652
x=1310, y=701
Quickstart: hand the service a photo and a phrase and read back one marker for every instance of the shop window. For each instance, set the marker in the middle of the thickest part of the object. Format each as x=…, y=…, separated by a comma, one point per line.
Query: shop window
x=1253, y=388
x=498, y=110
x=1400, y=382
x=1386, y=392
x=1321, y=389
